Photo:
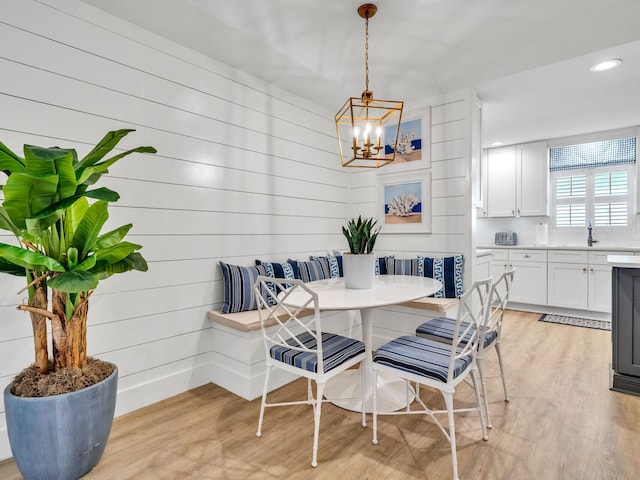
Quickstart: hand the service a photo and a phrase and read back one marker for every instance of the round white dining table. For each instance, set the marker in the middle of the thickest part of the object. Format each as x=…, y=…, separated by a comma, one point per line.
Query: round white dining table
x=344, y=389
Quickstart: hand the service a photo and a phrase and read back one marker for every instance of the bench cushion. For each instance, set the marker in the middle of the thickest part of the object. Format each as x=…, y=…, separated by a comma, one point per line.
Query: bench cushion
x=238, y=287
x=278, y=270
x=331, y=266
x=447, y=270
x=309, y=271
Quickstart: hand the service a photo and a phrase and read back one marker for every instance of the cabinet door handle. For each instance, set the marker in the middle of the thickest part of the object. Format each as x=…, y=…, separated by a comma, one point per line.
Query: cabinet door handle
x=584, y=269
x=526, y=255
x=513, y=212
x=591, y=269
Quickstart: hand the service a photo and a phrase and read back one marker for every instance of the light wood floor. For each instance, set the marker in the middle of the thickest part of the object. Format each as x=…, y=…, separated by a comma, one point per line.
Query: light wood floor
x=563, y=422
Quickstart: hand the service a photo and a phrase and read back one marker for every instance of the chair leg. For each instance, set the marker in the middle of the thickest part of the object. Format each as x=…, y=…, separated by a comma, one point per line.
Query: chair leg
x=375, y=407
x=485, y=398
x=363, y=394
x=316, y=422
x=264, y=400
x=476, y=390
x=504, y=380
x=448, y=400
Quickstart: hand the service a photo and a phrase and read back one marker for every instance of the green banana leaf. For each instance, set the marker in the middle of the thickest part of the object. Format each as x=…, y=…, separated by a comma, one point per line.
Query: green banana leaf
x=74, y=281
x=9, y=162
x=86, y=234
x=28, y=259
x=113, y=237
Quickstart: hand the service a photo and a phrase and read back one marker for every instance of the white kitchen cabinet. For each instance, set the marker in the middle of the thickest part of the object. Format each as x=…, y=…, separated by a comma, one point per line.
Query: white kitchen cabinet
x=501, y=182
x=567, y=284
x=517, y=180
x=482, y=268
x=599, y=288
x=580, y=279
x=530, y=278
x=531, y=271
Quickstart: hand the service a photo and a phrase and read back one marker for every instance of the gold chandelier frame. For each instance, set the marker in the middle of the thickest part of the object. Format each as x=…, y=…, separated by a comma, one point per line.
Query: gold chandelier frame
x=369, y=117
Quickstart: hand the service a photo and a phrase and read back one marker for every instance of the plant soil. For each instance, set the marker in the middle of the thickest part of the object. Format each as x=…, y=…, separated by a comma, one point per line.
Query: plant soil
x=31, y=383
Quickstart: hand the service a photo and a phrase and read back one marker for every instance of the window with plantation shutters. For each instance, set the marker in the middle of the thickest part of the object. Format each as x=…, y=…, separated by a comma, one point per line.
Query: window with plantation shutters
x=593, y=183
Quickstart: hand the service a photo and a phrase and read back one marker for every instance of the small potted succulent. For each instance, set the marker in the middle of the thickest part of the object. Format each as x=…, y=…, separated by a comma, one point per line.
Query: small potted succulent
x=359, y=263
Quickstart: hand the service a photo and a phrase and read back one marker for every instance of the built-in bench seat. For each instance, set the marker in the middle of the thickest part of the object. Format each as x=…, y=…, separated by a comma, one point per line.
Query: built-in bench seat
x=237, y=355
x=249, y=320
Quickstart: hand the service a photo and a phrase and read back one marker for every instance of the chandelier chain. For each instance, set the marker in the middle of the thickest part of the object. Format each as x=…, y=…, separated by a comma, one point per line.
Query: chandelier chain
x=366, y=53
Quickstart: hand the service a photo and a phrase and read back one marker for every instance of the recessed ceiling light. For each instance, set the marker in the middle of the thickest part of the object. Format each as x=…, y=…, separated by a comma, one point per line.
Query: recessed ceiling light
x=496, y=144
x=606, y=65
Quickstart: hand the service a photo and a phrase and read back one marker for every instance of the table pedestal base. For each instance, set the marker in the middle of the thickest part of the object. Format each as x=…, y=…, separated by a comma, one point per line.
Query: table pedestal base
x=344, y=391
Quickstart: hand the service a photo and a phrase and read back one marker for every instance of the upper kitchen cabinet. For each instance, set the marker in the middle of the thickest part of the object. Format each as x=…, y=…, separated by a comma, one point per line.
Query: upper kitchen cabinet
x=517, y=181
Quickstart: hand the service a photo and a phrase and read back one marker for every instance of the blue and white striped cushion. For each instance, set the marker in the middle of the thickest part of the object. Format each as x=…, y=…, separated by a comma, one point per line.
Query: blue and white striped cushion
x=441, y=329
x=420, y=356
x=336, y=350
x=311, y=271
x=331, y=266
x=239, y=294
x=402, y=266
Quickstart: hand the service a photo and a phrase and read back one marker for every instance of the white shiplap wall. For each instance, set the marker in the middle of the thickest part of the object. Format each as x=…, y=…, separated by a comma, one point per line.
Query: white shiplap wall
x=452, y=212
x=243, y=171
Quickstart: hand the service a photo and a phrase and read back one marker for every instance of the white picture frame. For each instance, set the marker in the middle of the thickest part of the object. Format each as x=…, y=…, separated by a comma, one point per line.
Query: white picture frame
x=415, y=141
x=403, y=203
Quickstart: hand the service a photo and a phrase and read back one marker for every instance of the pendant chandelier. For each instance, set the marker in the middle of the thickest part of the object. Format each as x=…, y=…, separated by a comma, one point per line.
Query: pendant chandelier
x=362, y=121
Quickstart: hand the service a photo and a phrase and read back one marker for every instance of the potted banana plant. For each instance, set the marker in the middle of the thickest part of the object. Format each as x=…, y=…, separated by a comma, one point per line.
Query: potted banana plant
x=359, y=263
x=60, y=409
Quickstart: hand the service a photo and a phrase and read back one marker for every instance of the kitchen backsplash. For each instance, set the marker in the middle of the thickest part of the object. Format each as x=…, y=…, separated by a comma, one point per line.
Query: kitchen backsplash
x=525, y=227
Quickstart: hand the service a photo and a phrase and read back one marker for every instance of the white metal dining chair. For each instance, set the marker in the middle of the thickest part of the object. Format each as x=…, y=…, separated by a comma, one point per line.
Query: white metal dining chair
x=297, y=344
x=441, y=329
x=438, y=365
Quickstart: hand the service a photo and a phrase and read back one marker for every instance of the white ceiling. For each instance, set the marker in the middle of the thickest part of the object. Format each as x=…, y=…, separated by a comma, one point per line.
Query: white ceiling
x=528, y=59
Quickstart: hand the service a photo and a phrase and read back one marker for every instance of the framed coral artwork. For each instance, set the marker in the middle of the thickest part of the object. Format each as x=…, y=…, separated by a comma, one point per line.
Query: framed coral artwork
x=404, y=202
x=412, y=147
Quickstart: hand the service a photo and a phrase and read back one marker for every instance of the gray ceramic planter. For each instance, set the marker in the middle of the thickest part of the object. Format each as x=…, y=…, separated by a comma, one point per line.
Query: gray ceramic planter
x=61, y=437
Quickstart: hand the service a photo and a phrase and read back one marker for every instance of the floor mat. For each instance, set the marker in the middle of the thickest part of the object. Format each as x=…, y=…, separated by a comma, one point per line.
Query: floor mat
x=575, y=321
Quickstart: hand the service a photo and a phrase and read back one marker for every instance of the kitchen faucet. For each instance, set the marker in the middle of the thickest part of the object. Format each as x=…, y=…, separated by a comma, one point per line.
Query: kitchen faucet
x=590, y=240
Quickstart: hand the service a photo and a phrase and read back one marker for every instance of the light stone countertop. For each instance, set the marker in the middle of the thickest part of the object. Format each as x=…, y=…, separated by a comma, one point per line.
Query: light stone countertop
x=601, y=248
x=623, y=261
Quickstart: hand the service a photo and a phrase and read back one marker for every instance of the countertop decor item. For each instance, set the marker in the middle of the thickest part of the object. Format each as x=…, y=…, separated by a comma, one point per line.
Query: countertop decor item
x=62, y=253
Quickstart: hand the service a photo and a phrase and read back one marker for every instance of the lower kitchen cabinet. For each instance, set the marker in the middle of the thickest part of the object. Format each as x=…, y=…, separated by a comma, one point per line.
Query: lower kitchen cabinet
x=580, y=279
x=571, y=279
x=530, y=278
x=567, y=285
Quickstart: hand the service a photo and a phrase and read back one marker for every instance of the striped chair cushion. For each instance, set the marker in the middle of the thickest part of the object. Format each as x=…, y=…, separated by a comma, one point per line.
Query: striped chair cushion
x=441, y=329
x=336, y=350
x=420, y=356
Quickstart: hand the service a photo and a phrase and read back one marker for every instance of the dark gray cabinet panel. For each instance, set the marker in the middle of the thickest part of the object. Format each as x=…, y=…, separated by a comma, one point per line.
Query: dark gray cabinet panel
x=625, y=329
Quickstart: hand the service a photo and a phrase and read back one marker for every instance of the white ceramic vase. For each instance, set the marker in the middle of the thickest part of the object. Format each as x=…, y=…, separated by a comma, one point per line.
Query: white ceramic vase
x=359, y=270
